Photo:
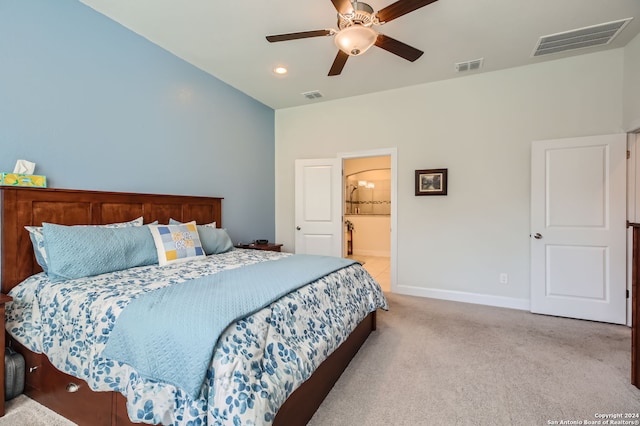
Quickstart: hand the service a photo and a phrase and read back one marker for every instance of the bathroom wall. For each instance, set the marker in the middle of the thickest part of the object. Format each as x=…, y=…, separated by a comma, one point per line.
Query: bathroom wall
x=368, y=192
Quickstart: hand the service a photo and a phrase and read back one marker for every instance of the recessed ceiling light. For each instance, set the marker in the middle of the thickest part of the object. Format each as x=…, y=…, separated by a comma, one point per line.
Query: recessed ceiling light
x=280, y=70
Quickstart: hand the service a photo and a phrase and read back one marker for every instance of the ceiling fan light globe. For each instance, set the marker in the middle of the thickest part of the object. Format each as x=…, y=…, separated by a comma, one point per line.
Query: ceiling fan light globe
x=355, y=40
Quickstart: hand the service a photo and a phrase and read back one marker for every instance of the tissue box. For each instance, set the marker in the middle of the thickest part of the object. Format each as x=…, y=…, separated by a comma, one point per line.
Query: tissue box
x=17, y=179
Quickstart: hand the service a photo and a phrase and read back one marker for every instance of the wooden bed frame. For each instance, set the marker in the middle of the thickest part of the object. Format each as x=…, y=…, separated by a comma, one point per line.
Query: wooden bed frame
x=71, y=397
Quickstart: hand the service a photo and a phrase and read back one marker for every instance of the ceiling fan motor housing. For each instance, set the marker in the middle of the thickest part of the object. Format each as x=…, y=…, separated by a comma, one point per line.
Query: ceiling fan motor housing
x=362, y=14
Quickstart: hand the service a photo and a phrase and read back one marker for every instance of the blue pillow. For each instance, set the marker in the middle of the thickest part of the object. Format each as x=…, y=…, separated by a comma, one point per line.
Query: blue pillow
x=37, y=238
x=79, y=251
x=214, y=240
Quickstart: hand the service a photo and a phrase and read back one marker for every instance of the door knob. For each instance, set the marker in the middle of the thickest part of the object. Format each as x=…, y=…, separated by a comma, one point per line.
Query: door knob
x=298, y=228
x=538, y=236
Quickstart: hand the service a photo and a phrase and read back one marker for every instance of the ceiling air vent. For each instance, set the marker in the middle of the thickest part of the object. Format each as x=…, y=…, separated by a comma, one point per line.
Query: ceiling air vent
x=312, y=95
x=580, y=38
x=469, y=65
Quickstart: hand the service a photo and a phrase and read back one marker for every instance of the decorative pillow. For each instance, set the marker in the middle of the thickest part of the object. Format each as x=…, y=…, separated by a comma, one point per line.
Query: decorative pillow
x=214, y=240
x=84, y=251
x=176, y=243
x=37, y=239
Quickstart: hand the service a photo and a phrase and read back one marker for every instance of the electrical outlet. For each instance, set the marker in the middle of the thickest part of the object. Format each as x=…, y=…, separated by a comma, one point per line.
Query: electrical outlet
x=504, y=278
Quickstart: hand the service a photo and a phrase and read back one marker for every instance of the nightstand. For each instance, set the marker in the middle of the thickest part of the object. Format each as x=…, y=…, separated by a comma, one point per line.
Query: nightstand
x=267, y=247
x=3, y=299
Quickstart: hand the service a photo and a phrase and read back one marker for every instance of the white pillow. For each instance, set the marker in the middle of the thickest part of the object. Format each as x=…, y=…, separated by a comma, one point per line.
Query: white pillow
x=172, y=221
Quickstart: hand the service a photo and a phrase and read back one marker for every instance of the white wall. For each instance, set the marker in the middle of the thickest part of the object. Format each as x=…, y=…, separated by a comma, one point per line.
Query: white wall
x=632, y=85
x=480, y=127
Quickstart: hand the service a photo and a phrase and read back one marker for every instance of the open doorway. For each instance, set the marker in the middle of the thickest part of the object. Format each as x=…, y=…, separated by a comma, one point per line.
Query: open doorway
x=368, y=207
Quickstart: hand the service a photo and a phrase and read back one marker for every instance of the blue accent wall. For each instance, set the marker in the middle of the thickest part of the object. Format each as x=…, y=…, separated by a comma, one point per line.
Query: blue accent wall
x=98, y=107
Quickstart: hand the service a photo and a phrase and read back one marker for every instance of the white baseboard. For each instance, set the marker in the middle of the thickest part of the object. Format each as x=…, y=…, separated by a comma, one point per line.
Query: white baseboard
x=462, y=296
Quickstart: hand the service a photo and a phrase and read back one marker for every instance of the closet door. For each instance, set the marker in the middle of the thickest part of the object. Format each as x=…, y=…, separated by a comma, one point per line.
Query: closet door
x=578, y=228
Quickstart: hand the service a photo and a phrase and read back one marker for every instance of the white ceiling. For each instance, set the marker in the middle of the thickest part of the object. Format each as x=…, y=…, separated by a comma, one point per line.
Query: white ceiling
x=227, y=40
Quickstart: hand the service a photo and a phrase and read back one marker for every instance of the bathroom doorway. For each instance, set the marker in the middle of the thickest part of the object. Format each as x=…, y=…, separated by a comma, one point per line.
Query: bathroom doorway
x=368, y=207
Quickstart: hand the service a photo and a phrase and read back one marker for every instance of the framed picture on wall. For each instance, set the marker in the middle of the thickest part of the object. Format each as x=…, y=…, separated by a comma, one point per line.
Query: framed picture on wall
x=431, y=182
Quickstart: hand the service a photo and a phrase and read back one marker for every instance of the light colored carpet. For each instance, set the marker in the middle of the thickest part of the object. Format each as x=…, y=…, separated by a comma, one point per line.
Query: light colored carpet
x=23, y=411
x=434, y=362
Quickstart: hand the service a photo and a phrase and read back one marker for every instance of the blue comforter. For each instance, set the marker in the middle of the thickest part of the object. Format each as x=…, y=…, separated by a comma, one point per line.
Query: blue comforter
x=157, y=344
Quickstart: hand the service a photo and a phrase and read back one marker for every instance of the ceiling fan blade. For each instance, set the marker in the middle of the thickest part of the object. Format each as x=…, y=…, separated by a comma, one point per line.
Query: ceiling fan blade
x=398, y=48
x=338, y=63
x=342, y=6
x=399, y=8
x=295, y=36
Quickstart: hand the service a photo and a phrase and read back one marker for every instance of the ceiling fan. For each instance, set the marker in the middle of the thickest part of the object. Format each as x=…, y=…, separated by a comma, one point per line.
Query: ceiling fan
x=355, y=34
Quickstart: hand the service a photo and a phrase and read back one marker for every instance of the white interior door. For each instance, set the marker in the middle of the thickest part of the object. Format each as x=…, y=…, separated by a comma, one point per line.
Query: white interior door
x=578, y=228
x=318, y=216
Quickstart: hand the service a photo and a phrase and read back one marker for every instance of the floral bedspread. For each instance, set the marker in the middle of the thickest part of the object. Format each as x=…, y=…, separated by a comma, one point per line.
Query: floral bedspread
x=258, y=361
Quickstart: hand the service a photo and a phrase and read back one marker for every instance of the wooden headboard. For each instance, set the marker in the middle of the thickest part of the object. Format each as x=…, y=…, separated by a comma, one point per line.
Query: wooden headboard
x=20, y=207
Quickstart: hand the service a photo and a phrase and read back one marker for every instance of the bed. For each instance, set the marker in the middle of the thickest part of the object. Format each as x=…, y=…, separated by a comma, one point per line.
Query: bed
x=68, y=383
